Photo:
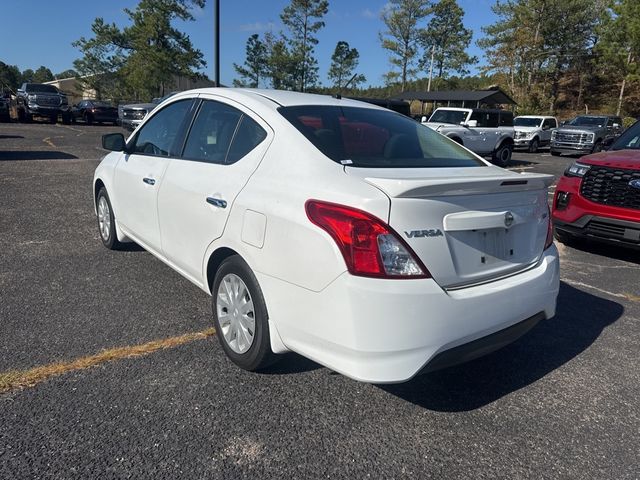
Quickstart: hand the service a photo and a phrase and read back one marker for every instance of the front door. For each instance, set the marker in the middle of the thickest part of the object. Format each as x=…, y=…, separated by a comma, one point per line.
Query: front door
x=223, y=148
x=139, y=174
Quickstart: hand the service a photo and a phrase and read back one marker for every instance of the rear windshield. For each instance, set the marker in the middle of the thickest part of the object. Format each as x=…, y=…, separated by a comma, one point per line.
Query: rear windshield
x=363, y=137
x=526, y=122
x=455, y=117
x=34, y=87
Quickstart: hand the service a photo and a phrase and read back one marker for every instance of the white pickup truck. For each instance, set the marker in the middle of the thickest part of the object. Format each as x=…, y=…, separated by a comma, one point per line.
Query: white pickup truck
x=487, y=132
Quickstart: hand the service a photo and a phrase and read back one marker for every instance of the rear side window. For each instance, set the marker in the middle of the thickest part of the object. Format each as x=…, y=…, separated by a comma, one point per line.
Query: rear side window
x=212, y=131
x=248, y=136
x=158, y=135
x=506, y=119
x=364, y=137
x=550, y=123
x=485, y=119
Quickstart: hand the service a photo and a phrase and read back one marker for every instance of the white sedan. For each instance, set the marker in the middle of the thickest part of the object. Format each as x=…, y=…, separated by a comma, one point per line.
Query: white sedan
x=336, y=229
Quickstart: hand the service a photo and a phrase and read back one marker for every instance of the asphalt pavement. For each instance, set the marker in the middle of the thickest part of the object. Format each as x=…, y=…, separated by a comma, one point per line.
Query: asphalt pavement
x=562, y=402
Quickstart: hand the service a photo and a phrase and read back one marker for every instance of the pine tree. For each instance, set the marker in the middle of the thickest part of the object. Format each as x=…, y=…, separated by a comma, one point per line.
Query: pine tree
x=303, y=20
x=401, y=18
x=343, y=62
x=255, y=64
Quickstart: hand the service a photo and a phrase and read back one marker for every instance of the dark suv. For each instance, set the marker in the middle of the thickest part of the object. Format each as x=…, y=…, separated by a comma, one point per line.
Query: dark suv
x=38, y=99
x=585, y=134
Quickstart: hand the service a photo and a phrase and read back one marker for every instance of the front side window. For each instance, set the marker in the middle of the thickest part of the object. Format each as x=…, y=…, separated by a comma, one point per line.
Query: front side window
x=158, y=135
x=364, y=137
x=550, y=123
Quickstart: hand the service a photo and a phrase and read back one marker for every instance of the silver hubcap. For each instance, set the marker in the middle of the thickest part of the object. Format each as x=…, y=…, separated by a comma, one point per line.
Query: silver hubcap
x=104, y=219
x=236, y=313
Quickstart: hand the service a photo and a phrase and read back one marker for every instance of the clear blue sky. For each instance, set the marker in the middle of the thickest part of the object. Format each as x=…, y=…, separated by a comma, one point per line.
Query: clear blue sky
x=40, y=32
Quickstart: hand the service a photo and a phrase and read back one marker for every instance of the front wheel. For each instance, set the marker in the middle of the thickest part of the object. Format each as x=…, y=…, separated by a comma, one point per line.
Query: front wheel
x=106, y=221
x=240, y=315
x=534, y=145
x=597, y=147
x=502, y=155
x=555, y=154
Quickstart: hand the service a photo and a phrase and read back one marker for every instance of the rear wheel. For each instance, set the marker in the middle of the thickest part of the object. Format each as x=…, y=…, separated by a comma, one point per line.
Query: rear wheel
x=555, y=154
x=240, y=315
x=534, y=145
x=106, y=221
x=88, y=118
x=502, y=155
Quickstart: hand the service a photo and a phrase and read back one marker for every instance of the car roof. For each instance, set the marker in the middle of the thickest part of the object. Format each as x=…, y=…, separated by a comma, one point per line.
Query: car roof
x=280, y=98
x=534, y=116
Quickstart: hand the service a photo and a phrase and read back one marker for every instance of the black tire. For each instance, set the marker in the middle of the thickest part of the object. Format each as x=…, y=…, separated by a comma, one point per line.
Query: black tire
x=502, y=155
x=597, y=147
x=258, y=355
x=107, y=235
x=53, y=119
x=88, y=118
x=457, y=140
x=66, y=119
x=555, y=154
x=534, y=145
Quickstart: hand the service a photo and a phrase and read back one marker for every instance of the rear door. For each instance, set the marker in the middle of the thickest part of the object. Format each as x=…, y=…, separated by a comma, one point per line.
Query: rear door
x=224, y=146
x=139, y=174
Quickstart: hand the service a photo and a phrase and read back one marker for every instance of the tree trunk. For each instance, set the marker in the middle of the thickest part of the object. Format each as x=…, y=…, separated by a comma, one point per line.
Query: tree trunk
x=624, y=83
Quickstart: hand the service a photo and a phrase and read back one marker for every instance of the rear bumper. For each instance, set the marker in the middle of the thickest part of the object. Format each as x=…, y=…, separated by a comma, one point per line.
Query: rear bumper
x=387, y=331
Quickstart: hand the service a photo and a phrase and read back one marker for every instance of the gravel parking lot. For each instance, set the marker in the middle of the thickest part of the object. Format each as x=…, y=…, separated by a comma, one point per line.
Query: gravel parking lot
x=562, y=402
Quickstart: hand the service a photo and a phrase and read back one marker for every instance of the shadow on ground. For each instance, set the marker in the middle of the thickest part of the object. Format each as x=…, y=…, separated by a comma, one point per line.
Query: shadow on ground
x=616, y=252
x=8, y=137
x=521, y=163
x=580, y=319
x=35, y=155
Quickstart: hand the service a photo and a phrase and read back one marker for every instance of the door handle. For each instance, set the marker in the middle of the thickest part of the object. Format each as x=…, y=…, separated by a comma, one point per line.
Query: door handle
x=149, y=181
x=217, y=202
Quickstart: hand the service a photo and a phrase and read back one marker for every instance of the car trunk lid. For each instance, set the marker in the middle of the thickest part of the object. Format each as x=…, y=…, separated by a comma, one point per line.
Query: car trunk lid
x=467, y=225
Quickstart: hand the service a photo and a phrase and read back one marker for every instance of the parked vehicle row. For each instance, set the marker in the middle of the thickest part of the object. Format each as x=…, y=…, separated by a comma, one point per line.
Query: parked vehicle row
x=337, y=229
x=42, y=100
x=585, y=134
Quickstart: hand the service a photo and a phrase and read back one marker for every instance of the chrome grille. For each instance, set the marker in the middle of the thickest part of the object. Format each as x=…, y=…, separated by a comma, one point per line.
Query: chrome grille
x=132, y=114
x=47, y=100
x=572, y=137
x=610, y=186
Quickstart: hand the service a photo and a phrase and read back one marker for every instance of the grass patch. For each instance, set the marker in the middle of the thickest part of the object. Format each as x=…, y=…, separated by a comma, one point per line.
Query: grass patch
x=17, y=379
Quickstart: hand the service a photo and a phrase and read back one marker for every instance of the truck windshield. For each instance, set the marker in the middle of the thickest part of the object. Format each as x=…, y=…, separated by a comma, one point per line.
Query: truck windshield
x=526, y=122
x=371, y=138
x=588, y=121
x=455, y=117
x=37, y=88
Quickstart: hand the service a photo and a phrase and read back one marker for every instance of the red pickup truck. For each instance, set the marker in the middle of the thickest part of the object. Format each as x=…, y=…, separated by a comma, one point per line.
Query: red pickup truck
x=598, y=197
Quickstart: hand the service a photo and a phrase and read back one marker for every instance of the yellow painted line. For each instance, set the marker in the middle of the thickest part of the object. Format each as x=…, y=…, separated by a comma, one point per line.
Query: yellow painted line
x=49, y=142
x=17, y=379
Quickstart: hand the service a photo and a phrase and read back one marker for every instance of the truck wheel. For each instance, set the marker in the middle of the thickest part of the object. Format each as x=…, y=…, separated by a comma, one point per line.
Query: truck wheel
x=502, y=155
x=88, y=118
x=555, y=154
x=534, y=145
x=597, y=147
x=53, y=119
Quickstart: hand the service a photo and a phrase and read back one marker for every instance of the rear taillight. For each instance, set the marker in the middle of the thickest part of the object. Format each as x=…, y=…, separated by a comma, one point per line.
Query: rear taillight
x=549, y=240
x=369, y=246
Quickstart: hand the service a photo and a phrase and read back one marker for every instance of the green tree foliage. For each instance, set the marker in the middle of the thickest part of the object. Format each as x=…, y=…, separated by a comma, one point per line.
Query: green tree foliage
x=343, y=62
x=70, y=73
x=10, y=77
x=537, y=43
x=281, y=65
x=303, y=19
x=447, y=37
x=42, y=74
x=27, y=76
x=401, y=39
x=103, y=56
x=144, y=57
x=255, y=64
x=619, y=43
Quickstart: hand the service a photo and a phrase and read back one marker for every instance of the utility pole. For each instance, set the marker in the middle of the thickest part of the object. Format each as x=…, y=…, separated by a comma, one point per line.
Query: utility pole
x=216, y=51
x=433, y=53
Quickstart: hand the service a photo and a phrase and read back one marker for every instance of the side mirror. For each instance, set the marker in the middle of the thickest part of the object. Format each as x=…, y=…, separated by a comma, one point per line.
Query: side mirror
x=423, y=119
x=471, y=124
x=562, y=124
x=114, y=142
x=616, y=125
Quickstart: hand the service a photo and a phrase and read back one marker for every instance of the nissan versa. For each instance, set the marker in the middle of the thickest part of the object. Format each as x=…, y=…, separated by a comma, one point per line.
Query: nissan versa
x=333, y=228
